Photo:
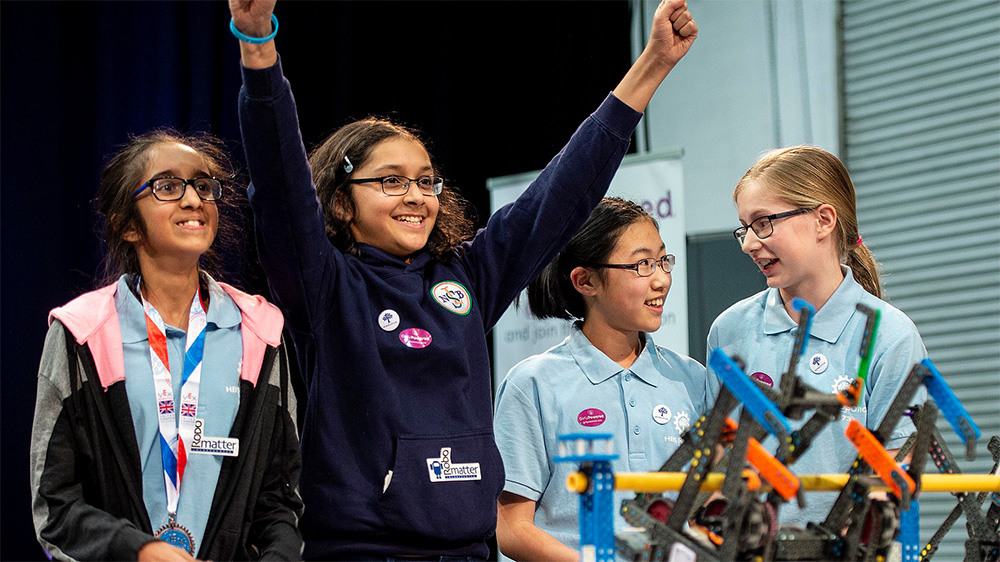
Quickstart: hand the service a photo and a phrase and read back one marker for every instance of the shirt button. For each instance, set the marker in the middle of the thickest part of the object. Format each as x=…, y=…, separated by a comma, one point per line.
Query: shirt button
x=628, y=377
x=635, y=430
x=631, y=401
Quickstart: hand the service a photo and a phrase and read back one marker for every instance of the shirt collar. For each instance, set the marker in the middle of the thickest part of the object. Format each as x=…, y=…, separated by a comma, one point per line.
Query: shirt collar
x=598, y=367
x=829, y=322
x=222, y=311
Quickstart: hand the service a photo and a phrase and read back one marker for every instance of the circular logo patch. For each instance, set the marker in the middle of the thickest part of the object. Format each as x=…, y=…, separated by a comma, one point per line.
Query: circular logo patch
x=661, y=414
x=591, y=417
x=388, y=320
x=818, y=363
x=415, y=338
x=453, y=296
x=764, y=378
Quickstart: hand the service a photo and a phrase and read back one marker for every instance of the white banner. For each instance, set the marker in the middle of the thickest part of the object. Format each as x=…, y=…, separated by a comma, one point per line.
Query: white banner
x=656, y=182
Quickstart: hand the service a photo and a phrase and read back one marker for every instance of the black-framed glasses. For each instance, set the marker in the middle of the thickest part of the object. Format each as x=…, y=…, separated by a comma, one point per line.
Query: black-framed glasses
x=644, y=267
x=762, y=226
x=172, y=189
x=399, y=185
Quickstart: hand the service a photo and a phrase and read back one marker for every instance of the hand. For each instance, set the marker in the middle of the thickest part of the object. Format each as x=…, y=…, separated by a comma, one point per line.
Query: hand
x=672, y=33
x=159, y=551
x=252, y=17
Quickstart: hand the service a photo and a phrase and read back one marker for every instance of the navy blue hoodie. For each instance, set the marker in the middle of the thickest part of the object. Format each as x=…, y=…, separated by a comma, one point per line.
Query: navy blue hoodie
x=414, y=399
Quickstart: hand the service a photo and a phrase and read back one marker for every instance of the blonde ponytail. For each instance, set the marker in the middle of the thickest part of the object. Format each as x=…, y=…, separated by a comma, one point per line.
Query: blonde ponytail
x=865, y=268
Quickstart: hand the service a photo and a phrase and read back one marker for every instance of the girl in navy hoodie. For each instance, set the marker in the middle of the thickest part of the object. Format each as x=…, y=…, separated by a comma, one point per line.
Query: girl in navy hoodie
x=389, y=296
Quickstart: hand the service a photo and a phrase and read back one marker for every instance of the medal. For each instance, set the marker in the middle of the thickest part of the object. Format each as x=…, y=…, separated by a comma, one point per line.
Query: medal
x=176, y=535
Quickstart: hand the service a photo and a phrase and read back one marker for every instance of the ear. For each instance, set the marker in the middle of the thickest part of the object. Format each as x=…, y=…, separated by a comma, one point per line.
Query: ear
x=340, y=206
x=132, y=234
x=827, y=221
x=584, y=280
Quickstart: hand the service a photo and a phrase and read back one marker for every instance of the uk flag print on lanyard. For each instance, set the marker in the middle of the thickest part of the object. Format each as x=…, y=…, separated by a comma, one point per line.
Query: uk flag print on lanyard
x=176, y=432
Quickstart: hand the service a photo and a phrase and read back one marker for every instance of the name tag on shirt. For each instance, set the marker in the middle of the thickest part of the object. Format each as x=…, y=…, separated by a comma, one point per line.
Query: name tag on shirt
x=204, y=445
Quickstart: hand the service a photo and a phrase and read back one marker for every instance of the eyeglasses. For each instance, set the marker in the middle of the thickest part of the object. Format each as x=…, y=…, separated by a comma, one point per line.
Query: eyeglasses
x=399, y=185
x=762, y=226
x=172, y=189
x=642, y=268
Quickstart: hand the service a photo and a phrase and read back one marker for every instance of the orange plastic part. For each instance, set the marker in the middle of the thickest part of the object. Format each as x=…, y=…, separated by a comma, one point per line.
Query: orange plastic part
x=777, y=474
x=878, y=458
x=850, y=396
x=782, y=479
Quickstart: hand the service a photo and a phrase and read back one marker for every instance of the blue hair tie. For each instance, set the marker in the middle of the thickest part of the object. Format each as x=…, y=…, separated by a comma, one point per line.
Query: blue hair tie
x=254, y=40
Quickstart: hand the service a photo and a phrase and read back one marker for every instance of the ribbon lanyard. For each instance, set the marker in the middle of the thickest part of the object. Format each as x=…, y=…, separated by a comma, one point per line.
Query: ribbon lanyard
x=176, y=433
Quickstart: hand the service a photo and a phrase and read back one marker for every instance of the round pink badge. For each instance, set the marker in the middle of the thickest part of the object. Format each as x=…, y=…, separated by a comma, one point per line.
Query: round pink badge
x=415, y=338
x=762, y=377
x=591, y=417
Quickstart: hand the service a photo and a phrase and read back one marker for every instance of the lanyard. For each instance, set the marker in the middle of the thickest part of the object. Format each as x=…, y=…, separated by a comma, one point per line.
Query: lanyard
x=176, y=433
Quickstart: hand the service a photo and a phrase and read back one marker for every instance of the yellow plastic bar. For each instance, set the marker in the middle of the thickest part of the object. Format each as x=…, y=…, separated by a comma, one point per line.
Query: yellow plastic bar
x=655, y=482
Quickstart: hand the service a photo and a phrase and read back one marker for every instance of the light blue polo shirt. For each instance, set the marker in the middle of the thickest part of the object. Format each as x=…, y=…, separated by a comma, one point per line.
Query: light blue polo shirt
x=218, y=402
x=575, y=388
x=759, y=330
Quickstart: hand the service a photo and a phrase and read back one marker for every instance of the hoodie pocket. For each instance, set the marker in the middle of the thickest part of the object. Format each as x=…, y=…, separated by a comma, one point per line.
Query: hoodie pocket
x=444, y=486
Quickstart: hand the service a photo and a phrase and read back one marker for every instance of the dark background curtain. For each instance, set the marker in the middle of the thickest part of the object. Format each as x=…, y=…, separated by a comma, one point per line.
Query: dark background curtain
x=497, y=87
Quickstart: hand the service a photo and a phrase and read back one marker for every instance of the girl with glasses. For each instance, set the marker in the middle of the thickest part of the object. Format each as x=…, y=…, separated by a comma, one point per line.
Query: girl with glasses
x=389, y=297
x=164, y=426
x=800, y=227
x=607, y=376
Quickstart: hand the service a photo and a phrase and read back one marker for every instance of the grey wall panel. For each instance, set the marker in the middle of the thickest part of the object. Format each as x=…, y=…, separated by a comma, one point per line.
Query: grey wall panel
x=922, y=143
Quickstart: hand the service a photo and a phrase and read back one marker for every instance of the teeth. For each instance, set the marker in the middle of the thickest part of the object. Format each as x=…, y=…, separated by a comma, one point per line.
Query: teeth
x=410, y=220
x=190, y=223
x=764, y=263
x=655, y=302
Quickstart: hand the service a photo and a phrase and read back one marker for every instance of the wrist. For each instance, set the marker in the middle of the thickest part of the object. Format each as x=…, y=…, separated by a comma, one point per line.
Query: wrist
x=259, y=35
x=653, y=64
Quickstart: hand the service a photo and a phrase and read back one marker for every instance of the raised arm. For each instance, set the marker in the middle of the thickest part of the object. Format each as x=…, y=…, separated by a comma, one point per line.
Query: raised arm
x=521, y=238
x=295, y=253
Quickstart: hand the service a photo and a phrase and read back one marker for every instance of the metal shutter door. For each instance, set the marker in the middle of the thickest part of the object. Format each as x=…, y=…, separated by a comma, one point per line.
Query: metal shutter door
x=921, y=95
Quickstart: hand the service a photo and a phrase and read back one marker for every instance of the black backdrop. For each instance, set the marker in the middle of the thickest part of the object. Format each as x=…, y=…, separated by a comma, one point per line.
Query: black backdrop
x=497, y=86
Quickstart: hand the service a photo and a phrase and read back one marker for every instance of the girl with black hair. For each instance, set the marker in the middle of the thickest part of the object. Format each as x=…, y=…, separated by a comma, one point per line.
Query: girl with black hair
x=607, y=376
x=164, y=425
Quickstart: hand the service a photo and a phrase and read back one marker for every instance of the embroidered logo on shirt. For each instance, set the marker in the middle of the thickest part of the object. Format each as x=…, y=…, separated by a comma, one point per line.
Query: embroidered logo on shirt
x=591, y=417
x=661, y=414
x=818, y=363
x=441, y=469
x=682, y=422
x=415, y=338
x=841, y=383
x=453, y=296
x=764, y=378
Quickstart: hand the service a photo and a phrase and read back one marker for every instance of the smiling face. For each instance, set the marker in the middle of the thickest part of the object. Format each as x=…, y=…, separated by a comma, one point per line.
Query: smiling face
x=790, y=257
x=178, y=232
x=622, y=300
x=399, y=225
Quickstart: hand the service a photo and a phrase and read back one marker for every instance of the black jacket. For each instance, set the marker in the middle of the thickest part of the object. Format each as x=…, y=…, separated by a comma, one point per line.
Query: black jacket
x=87, y=479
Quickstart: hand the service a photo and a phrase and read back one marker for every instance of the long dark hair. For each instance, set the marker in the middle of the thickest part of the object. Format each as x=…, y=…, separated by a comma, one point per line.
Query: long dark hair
x=355, y=141
x=123, y=174
x=551, y=294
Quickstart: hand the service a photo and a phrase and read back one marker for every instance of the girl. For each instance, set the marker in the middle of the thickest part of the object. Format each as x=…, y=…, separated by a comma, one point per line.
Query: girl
x=608, y=377
x=388, y=300
x=799, y=225
x=163, y=408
